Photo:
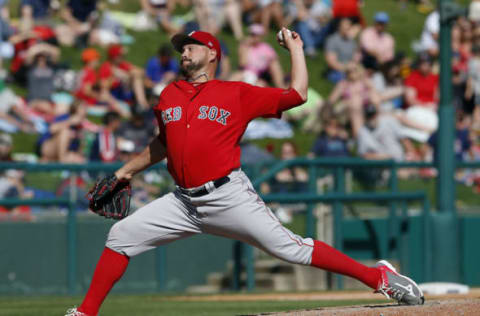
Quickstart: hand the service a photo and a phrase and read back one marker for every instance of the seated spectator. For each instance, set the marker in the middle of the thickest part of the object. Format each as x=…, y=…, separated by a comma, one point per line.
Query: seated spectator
x=387, y=82
x=355, y=93
x=430, y=34
x=258, y=60
x=271, y=10
x=347, y=9
x=104, y=147
x=293, y=179
x=463, y=142
x=312, y=18
x=34, y=12
x=136, y=133
x=160, y=11
x=422, y=84
x=376, y=42
x=6, y=32
x=380, y=137
x=40, y=87
x=473, y=86
x=13, y=115
x=27, y=45
x=340, y=50
x=12, y=187
x=212, y=14
x=161, y=70
x=79, y=17
x=6, y=146
x=120, y=77
x=98, y=99
x=252, y=154
x=332, y=141
x=62, y=141
x=421, y=97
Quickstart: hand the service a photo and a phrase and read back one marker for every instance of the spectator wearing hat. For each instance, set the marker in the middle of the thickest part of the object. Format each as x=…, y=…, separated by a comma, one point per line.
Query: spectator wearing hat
x=88, y=90
x=258, y=60
x=161, y=70
x=376, y=42
x=91, y=93
x=340, y=51
x=123, y=79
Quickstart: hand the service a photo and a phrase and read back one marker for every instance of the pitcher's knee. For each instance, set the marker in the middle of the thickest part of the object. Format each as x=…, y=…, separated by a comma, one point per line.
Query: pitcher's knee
x=294, y=252
x=121, y=239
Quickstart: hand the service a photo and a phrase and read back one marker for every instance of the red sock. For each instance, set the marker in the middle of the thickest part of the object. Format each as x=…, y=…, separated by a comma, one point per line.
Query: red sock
x=109, y=270
x=330, y=259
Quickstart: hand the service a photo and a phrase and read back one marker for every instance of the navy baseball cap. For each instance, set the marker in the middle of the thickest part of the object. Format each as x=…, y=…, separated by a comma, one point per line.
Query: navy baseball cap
x=382, y=17
x=197, y=37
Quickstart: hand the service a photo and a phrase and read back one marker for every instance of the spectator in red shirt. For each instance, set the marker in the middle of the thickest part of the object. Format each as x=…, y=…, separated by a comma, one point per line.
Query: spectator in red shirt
x=347, y=9
x=421, y=96
x=121, y=77
x=422, y=84
x=91, y=92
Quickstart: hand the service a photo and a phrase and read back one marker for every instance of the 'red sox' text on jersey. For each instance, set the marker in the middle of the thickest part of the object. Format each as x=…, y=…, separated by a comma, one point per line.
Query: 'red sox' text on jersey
x=201, y=126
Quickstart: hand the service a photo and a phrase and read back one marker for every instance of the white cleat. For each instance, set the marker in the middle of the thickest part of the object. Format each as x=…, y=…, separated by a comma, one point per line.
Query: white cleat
x=74, y=312
x=397, y=286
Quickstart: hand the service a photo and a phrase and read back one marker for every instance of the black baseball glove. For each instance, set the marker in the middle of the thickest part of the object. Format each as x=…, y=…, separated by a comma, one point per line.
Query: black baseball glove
x=110, y=197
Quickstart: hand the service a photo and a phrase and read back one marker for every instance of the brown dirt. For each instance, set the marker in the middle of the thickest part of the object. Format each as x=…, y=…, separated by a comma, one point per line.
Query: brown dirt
x=312, y=296
x=446, y=305
x=449, y=307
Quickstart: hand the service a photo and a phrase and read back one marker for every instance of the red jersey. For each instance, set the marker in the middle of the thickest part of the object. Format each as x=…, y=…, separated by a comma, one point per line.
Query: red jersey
x=87, y=76
x=106, y=71
x=426, y=86
x=201, y=126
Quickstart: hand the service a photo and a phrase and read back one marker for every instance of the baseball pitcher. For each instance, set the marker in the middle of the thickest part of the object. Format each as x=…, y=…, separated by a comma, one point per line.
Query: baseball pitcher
x=201, y=121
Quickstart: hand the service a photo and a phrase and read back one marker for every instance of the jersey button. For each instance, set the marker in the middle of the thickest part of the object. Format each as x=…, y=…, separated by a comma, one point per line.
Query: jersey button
x=188, y=125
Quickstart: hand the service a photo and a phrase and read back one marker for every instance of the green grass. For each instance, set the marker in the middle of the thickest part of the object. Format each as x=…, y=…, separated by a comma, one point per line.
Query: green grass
x=148, y=305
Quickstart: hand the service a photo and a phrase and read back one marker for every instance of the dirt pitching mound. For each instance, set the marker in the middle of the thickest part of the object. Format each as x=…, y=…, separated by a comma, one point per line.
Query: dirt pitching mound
x=448, y=307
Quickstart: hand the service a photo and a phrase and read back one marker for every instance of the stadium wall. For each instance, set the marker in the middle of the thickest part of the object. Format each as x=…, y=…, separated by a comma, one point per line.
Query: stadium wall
x=33, y=255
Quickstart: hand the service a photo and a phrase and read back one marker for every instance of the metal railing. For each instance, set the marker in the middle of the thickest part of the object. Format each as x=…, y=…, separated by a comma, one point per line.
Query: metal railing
x=337, y=197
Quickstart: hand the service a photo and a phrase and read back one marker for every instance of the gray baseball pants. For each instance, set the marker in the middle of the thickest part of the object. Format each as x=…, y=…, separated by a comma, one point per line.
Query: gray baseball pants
x=234, y=210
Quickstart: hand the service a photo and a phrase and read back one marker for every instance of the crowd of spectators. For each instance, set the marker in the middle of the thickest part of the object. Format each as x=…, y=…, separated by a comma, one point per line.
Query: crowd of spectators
x=382, y=105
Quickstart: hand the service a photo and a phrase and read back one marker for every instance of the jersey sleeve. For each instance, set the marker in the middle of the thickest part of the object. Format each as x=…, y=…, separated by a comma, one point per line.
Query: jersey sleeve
x=161, y=126
x=266, y=102
x=158, y=114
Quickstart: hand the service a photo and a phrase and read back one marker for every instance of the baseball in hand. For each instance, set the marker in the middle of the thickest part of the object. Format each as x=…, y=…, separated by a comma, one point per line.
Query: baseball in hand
x=280, y=35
